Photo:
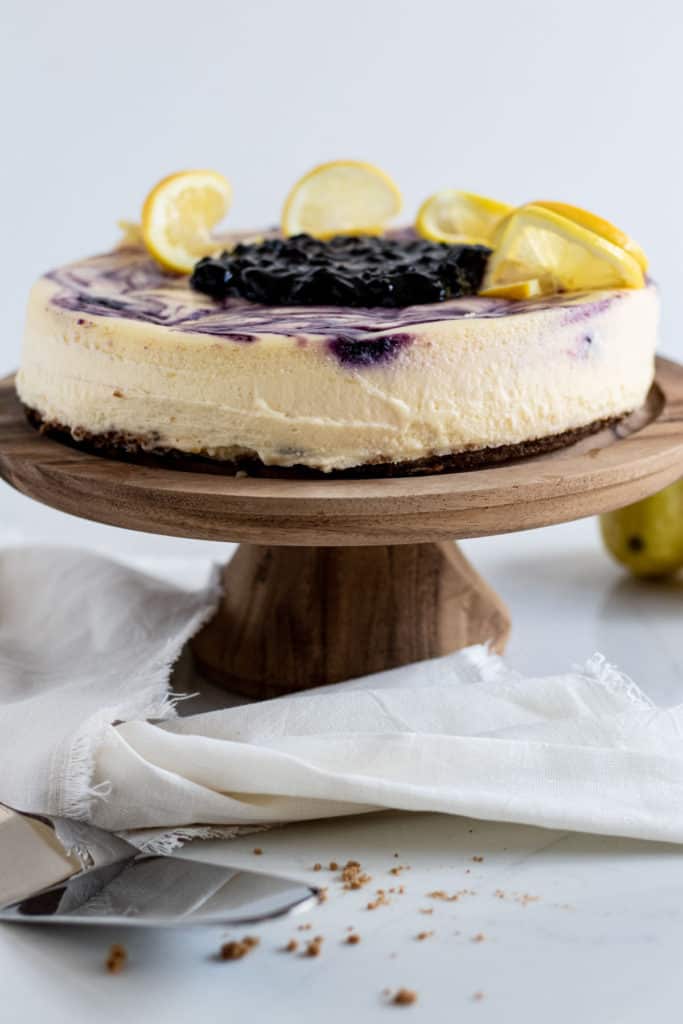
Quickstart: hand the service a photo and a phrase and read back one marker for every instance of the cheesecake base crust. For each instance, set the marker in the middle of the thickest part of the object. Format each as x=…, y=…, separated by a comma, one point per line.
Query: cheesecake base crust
x=148, y=450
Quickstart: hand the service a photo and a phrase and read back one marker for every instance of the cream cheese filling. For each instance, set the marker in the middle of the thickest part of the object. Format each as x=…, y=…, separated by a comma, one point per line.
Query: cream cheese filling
x=462, y=384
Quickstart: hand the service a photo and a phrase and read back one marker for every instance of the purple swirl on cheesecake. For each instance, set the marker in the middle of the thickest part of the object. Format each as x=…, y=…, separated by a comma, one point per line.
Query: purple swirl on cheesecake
x=127, y=283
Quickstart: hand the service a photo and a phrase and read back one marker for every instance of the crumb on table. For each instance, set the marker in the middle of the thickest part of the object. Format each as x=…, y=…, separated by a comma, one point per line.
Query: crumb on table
x=116, y=958
x=353, y=876
x=404, y=997
x=236, y=949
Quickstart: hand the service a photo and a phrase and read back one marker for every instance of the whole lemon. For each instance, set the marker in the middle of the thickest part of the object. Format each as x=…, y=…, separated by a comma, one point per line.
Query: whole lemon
x=647, y=537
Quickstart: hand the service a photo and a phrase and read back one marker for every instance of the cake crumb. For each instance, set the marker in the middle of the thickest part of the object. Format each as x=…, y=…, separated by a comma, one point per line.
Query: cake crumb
x=116, y=958
x=317, y=867
x=235, y=949
x=257, y=851
x=441, y=894
x=477, y=996
x=117, y=393
x=304, y=927
x=478, y=860
x=314, y=947
x=479, y=937
x=334, y=866
x=421, y=936
x=322, y=895
x=353, y=877
x=291, y=946
x=353, y=939
x=380, y=900
x=426, y=910
x=399, y=868
x=525, y=899
x=404, y=997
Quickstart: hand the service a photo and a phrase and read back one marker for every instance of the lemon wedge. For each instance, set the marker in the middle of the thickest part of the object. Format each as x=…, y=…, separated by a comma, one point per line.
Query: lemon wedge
x=178, y=215
x=451, y=216
x=518, y=290
x=344, y=197
x=536, y=242
x=599, y=225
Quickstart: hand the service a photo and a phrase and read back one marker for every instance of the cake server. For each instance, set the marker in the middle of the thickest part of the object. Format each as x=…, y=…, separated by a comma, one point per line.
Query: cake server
x=99, y=878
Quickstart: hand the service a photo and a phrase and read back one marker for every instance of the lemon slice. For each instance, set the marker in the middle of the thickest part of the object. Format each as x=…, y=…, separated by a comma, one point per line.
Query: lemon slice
x=131, y=233
x=451, y=216
x=537, y=243
x=178, y=215
x=600, y=226
x=345, y=197
x=518, y=290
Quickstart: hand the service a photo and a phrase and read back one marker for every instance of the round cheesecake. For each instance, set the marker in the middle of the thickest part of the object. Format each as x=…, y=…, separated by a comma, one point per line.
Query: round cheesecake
x=120, y=355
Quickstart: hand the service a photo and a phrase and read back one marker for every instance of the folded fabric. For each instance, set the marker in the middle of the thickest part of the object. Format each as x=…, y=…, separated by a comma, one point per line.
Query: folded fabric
x=86, y=648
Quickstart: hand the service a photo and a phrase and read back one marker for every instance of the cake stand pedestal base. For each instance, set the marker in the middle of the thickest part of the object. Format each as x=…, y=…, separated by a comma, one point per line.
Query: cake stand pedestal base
x=292, y=618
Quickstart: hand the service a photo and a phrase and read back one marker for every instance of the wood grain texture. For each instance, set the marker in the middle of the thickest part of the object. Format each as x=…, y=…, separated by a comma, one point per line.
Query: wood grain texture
x=292, y=618
x=606, y=471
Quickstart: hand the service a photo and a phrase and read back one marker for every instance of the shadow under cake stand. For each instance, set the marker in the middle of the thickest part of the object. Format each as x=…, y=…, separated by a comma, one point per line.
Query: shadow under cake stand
x=338, y=578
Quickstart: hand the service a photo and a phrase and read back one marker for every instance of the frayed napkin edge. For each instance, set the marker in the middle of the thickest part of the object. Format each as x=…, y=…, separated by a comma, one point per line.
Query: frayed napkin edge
x=154, y=702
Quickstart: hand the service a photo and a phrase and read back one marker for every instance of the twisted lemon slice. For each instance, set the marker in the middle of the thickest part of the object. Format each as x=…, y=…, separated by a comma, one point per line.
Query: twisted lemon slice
x=599, y=225
x=517, y=290
x=451, y=216
x=178, y=216
x=344, y=197
x=536, y=242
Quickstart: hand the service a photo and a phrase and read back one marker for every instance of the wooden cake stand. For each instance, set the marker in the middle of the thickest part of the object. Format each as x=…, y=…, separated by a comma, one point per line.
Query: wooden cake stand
x=338, y=578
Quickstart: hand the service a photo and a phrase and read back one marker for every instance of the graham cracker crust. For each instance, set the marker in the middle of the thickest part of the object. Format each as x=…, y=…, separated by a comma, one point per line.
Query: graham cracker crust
x=149, y=451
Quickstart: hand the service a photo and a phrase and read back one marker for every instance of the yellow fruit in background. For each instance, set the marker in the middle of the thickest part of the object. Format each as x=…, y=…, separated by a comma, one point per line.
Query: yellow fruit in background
x=647, y=538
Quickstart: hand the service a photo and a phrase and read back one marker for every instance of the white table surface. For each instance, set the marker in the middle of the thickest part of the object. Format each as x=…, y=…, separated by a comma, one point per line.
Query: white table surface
x=587, y=928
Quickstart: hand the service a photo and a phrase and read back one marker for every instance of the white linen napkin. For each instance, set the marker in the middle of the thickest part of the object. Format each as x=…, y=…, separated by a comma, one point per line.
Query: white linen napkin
x=86, y=649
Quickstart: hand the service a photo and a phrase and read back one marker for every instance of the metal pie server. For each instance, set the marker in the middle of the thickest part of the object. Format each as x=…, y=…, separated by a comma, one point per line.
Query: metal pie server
x=105, y=880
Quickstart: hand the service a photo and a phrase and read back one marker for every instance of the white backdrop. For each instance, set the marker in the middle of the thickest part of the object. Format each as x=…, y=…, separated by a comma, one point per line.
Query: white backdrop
x=520, y=99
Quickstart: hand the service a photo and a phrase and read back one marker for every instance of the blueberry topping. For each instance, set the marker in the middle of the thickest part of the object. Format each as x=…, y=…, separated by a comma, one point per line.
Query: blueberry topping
x=348, y=270
x=211, y=276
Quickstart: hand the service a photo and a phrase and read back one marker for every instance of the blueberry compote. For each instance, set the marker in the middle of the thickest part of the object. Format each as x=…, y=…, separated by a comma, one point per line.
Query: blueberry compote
x=347, y=270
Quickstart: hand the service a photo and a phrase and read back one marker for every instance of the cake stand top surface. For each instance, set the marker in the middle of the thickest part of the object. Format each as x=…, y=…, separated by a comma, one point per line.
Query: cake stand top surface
x=615, y=467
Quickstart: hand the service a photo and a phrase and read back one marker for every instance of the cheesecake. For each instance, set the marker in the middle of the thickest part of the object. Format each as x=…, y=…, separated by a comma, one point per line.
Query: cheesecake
x=124, y=356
